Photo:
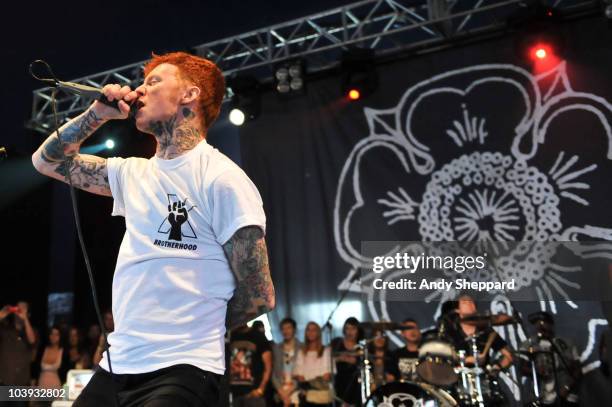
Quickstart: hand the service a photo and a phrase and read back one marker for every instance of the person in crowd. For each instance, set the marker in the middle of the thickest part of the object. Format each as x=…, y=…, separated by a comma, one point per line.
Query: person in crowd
x=77, y=355
x=259, y=325
x=557, y=362
x=51, y=361
x=312, y=370
x=378, y=353
x=92, y=339
x=403, y=361
x=345, y=350
x=17, y=338
x=109, y=325
x=250, y=367
x=284, y=356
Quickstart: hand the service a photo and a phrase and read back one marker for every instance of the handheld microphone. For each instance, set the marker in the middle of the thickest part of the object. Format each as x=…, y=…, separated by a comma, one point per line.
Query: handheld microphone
x=90, y=92
x=84, y=91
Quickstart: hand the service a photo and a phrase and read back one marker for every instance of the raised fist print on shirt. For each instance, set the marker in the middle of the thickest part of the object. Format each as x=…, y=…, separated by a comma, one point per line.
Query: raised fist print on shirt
x=177, y=216
x=177, y=224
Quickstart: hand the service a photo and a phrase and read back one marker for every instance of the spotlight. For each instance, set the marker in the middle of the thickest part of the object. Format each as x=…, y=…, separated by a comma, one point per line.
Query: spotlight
x=236, y=117
x=607, y=4
x=245, y=102
x=538, y=39
x=541, y=51
x=289, y=78
x=110, y=144
x=354, y=94
x=359, y=76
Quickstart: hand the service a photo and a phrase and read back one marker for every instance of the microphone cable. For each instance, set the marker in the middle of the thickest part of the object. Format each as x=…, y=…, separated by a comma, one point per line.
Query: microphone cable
x=77, y=221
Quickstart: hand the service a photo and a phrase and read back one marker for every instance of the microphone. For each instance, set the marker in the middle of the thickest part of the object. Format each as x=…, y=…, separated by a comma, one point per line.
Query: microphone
x=84, y=91
x=90, y=92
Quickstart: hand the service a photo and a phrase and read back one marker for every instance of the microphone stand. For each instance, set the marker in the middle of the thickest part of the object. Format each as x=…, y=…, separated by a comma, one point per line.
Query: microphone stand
x=328, y=326
x=534, y=373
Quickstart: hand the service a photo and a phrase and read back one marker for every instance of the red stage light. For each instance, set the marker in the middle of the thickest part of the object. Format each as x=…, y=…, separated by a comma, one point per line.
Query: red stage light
x=354, y=94
x=541, y=51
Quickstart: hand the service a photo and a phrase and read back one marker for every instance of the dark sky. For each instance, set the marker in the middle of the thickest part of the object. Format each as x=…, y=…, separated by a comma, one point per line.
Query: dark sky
x=85, y=37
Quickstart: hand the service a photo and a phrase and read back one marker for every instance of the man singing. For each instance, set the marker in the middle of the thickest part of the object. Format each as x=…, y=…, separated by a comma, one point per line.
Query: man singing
x=194, y=237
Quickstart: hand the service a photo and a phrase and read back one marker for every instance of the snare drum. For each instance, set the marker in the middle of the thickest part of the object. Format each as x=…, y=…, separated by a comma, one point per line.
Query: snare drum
x=437, y=362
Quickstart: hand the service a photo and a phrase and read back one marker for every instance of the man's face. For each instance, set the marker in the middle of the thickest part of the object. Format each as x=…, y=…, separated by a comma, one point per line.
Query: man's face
x=411, y=335
x=466, y=307
x=159, y=97
x=545, y=328
x=287, y=331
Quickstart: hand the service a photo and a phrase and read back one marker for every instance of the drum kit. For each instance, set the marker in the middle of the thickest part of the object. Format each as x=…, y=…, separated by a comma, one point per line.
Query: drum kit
x=443, y=376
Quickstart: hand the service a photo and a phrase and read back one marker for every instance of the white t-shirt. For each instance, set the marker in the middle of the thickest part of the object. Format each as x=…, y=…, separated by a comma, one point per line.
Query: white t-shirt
x=172, y=281
x=311, y=365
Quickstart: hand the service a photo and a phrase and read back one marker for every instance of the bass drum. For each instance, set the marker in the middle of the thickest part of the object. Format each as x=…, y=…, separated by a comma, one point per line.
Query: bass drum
x=409, y=394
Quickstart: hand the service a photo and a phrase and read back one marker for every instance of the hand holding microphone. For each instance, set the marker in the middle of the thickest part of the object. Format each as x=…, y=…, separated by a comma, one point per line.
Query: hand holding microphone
x=115, y=95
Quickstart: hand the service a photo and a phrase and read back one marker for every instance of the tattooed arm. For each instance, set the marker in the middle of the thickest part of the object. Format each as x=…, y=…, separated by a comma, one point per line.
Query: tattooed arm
x=55, y=158
x=58, y=156
x=248, y=258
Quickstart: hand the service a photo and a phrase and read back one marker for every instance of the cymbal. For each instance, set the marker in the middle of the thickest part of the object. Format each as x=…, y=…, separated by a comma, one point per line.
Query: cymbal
x=386, y=326
x=483, y=321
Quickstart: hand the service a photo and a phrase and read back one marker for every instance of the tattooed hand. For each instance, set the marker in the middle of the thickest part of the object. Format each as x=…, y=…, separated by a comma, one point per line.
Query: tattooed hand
x=115, y=92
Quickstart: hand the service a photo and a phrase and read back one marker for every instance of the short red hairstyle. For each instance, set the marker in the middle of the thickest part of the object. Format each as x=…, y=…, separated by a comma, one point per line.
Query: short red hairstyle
x=201, y=72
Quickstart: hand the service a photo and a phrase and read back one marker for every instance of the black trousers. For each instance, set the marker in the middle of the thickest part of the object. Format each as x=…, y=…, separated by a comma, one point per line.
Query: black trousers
x=179, y=385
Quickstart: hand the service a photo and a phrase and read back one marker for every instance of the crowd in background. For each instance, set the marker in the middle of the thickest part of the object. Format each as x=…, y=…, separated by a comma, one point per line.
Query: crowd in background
x=33, y=357
x=308, y=372
x=260, y=373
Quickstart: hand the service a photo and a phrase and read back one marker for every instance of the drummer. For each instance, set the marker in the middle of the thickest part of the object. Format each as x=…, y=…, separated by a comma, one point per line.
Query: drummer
x=402, y=361
x=487, y=339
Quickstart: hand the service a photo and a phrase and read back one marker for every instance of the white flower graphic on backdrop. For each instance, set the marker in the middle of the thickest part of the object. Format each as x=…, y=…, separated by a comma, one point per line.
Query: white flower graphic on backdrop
x=486, y=173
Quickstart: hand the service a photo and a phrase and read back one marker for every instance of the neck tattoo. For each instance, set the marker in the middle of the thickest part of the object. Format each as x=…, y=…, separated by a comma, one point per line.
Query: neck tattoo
x=176, y=135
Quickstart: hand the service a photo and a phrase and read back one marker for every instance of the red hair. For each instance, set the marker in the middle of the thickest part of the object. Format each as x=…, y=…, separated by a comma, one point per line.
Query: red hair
x=201, y=72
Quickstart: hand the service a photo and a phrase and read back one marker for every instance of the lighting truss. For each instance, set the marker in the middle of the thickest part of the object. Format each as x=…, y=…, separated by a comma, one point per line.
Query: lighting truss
x=388, y=26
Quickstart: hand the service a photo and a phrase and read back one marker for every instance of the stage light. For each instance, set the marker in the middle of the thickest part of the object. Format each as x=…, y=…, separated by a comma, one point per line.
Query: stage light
x=541, y=51
x=359, y=76
x=608, y=11
x=245, y=102
x=354, y=94
x=289, y=78
x=110, y=144
x=539, y=41
x=236, y=117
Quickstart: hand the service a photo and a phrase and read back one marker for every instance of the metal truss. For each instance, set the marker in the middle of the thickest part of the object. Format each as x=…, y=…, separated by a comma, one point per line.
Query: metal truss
x=388, y=26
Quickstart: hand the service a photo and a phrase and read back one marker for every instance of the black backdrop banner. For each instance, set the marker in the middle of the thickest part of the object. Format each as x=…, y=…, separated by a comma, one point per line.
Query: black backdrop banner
x=469, y=143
